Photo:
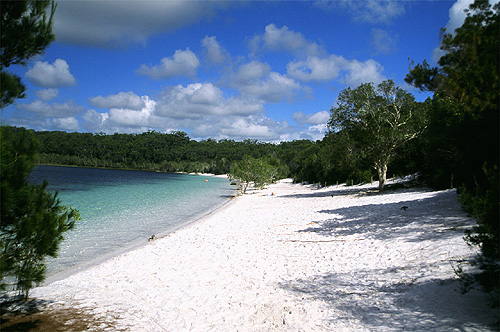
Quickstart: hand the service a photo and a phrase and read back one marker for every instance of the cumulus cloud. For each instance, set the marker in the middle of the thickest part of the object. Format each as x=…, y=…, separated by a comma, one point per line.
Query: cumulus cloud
x=127, y=100
x=47, y=94
x=133, y=118
x=313, y=119
x=349, y=72
x=199, y=99
x=273, y=89
x=48, y=75
x=122, y=119
x=198, y=108
x=317, y=69
x=457, y=15
x=214, y=52
x=55, y=110
x=250, y=73
x=111, y=23
x=94, y=121
x=182, y=63
x=284, y=39
x=66, y=124
x=256, y=80
x=43, y=123
x=361, y=72
x=383, y=42
x=245, y=128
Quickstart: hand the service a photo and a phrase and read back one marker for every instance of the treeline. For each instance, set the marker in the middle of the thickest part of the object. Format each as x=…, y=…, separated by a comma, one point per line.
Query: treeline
x=321, y=161
x=151, y=150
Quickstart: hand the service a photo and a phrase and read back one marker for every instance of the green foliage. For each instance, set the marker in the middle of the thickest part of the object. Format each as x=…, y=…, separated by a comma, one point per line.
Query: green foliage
x=26, y=31
x=375, y=122
x=151, y=150
x=257, y=171
x=32, y=220
x=461, y=145
x=483, y=204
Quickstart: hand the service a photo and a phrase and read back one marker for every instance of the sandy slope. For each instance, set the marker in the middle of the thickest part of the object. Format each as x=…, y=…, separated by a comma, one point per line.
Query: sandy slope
x=303, y=259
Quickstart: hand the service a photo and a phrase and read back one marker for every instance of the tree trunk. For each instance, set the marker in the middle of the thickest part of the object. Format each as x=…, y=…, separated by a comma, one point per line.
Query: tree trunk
x=382, y=175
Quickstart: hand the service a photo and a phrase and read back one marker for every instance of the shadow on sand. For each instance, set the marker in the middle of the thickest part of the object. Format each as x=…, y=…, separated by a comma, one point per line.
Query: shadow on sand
x=405, y=219
x=396, y=299
x=432, y=305
x=21, y=315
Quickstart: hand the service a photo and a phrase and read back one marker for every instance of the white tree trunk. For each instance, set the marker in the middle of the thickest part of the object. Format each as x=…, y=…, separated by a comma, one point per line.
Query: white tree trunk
x=382, y=175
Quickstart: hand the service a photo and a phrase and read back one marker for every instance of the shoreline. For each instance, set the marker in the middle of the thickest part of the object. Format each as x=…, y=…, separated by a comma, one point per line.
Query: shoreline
x=135, y=245
x=134, y=169
x=334, y=258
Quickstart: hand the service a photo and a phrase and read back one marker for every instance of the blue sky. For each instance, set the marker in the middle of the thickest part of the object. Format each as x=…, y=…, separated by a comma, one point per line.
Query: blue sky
x=263, y=70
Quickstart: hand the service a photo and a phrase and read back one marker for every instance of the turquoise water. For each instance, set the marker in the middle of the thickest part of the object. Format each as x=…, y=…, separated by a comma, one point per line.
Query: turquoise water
x=121, y=209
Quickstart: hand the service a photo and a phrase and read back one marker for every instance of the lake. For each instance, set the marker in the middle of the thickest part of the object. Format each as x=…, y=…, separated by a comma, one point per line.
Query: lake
x=122, y=209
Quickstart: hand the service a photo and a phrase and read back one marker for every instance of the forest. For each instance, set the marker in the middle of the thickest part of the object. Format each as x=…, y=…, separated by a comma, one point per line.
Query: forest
x=302, y=160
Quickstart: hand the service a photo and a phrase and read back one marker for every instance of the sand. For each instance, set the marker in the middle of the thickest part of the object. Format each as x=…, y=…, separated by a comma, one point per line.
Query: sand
x=304, y=259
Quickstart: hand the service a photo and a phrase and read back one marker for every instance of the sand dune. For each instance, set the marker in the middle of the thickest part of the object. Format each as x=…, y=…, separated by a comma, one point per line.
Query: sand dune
x=304, y=259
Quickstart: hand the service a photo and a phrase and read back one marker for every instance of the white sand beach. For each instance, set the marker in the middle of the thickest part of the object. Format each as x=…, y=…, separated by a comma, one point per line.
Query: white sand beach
x=304, y=259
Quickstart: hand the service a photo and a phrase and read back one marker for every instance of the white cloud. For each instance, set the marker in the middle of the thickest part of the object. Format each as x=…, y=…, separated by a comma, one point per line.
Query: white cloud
x=214, y=52
x=274, y=89
x=316, y=132
x=115, y=23
x=457, y=15
x=201, y=110
x=182, y=63
x=456, y=19
x=55, y=110
x=317, y=69
x=244, y=128
x=198, y=99
x=384, y=42
x=128, y=100
x=133, y=118
x=47, y=94
x=255, y=80
x=54, y=75
x=284, y=39
x=362, y=72
x=94, y=121
x=122, y=119
x=66, y=124
x=349, y=72
x=42, y=123
x=250, y=73
x=370, y=11
x=318, y=118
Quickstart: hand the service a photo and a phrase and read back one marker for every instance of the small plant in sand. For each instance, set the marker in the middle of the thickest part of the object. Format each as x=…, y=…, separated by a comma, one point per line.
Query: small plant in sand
x=257, y=171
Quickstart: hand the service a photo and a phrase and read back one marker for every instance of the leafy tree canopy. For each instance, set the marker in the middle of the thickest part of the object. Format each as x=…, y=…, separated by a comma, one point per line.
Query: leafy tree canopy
x=32, y=220
x=26, y=31
x=463, y=138
x=377, y=120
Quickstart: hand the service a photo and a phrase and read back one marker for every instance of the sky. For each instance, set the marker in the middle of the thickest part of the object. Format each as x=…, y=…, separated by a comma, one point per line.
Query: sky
x=264, y=70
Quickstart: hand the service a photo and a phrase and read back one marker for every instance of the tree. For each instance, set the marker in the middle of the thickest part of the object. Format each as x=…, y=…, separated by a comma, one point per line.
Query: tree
x=26, y=31
x=378, y=121
x=463, y=136
x=249, y=170
x=32, y=220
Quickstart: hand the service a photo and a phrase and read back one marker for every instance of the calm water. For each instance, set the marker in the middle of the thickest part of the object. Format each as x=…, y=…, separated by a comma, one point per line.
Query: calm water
x=121, y=209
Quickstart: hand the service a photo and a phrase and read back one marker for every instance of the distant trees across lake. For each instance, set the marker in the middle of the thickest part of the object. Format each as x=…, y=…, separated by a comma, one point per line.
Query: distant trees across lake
x=302, y=160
